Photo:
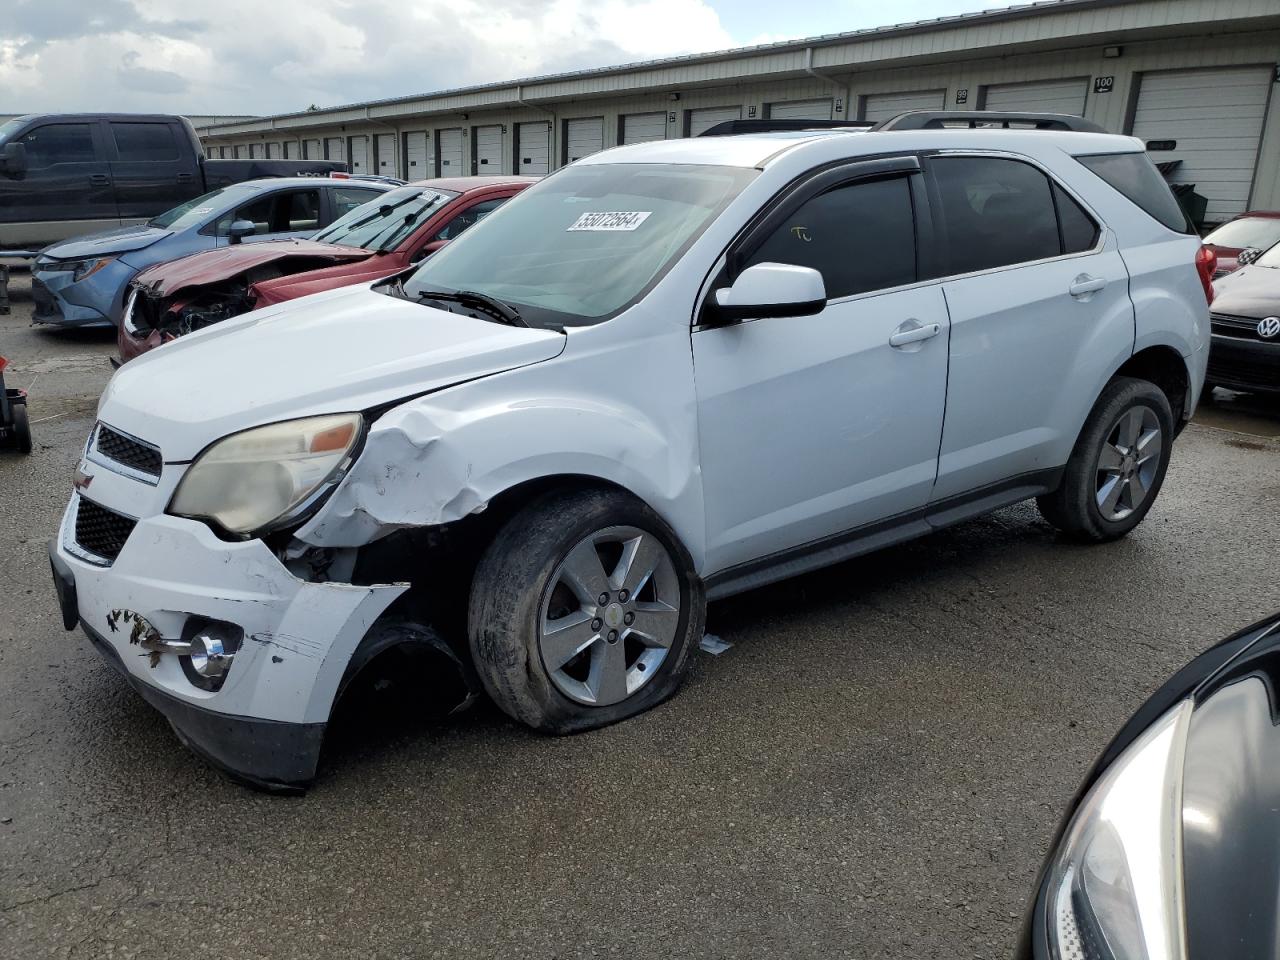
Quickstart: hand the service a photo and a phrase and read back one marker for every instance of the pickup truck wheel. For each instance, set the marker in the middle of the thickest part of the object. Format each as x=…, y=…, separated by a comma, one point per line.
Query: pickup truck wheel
x=1118, y=464
x=583, y=612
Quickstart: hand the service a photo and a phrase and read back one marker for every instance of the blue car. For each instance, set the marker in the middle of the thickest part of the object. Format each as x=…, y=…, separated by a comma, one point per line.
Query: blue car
x=81, y=282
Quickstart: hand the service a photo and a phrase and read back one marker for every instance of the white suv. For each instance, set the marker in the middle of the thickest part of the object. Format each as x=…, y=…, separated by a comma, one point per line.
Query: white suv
x=667, y=373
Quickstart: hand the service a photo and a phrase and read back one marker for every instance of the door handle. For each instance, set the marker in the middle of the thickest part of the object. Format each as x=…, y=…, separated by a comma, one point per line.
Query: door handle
x=184, y=178
x=913, y=332
x=99, y=179
x=1084, y=285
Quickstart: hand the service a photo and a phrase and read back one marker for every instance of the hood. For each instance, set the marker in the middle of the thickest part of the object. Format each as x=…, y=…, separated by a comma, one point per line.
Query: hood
x=1251, y=291
x=212, y=266
x=120, y=240
x=280, y=289
x=349, y=349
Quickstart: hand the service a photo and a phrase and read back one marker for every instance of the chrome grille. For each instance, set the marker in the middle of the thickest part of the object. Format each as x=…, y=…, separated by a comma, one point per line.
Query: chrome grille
x=124, y=449
x=100, y=531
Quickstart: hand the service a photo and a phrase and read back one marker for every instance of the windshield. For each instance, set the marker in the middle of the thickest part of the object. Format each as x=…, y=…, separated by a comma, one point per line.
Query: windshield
x=1270, y=259
x=197, y=211
x=1260, y=232
x=382, y=223
x=585, y=243
x=8, y=128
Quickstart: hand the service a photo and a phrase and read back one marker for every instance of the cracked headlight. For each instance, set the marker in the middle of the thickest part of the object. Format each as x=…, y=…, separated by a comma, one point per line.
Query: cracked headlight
x=1115, y=886
x=268, y=477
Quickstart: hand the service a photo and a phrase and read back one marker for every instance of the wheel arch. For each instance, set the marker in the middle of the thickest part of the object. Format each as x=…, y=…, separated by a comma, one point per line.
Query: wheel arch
x=1165, y=367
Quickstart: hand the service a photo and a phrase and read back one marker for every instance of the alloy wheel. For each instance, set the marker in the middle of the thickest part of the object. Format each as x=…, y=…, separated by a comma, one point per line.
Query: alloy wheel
x=1128, y=462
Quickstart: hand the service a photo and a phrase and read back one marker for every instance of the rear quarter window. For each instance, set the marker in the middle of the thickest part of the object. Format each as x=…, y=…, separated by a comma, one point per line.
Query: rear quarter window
x=1136, y=177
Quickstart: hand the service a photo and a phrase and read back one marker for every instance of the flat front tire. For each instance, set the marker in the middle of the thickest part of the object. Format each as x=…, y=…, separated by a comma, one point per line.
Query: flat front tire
x=1117, y=466
x=583, y=612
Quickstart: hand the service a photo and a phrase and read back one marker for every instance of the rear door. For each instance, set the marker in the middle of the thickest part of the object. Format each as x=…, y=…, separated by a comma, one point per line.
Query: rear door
x=1040, y=316
x=66, y=189
x=583, y=137
x=449, y=153
x=533, y=148
x=486, y=146
x=813, y=428
x=153, y=167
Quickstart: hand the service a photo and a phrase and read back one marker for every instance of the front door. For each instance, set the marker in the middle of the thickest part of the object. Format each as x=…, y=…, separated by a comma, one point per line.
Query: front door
x=65, y=191
x=814, y=427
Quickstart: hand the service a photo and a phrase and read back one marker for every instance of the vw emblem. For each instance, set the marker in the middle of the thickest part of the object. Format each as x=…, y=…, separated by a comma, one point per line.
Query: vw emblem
x=1269, y=328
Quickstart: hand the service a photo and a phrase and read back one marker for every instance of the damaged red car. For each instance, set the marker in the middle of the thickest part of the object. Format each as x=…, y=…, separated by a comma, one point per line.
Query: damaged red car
x=373, y=241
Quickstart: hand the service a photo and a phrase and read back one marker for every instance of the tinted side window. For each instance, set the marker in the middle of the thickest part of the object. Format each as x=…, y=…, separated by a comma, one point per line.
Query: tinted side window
x=472, y=215
x=301, y=210
x=1079, y=232
x=860, y=237
x=994, y=212
x=59, y=143
x=145, y=142
x=1135, y=176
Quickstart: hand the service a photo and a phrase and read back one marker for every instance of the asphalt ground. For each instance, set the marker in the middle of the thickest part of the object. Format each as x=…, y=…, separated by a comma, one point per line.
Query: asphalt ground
x=874, y=768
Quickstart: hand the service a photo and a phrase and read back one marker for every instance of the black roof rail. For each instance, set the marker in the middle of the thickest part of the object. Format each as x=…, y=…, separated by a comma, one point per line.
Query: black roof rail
x=985, y=119
x=727, y=128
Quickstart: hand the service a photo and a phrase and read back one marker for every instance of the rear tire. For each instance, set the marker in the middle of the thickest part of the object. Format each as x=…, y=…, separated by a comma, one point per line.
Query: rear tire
x=1118, y=464
x=21, y=428
x=583, y=612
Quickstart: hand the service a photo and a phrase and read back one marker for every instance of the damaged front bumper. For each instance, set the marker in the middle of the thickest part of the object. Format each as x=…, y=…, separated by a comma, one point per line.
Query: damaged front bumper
x=265, y=723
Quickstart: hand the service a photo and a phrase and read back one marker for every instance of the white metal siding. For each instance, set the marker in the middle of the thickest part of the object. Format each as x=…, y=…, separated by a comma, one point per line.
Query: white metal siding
x=449, y=152
x=705, y=119
x=801, y=110
x=360, y=154
x=333, y=149
x=1216, y=118
x=882, y=106
x=643, y=127
x=533, y=140
x=1051, y=96
x=583, y=138
x=384, y=145
x=415, y=148
x=487, y=142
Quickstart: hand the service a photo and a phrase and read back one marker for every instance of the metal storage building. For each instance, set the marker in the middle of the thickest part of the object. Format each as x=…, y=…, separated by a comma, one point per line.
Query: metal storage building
x=1199, y=75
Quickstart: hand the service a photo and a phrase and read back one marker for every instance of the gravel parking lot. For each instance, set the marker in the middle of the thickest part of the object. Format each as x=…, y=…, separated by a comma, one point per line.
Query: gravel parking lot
x=873, y=769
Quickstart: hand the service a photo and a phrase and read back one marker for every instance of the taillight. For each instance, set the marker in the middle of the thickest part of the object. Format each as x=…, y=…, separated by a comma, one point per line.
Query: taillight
x=3, y=363
x=1206, y=264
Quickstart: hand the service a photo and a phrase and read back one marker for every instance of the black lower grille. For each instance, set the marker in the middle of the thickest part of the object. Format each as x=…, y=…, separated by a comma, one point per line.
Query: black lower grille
x=132, y=453
x=100, y=531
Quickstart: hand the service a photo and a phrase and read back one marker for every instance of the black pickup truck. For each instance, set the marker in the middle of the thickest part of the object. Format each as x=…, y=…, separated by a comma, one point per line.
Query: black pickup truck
x=65, y=174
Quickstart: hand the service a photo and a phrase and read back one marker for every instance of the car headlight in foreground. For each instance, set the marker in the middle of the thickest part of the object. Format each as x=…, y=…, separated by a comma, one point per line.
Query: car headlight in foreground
x=1115, y=887
x=268, y=477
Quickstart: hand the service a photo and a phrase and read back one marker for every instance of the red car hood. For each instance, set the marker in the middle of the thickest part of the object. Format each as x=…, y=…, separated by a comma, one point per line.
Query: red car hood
x=280, y=289
x=212, y=266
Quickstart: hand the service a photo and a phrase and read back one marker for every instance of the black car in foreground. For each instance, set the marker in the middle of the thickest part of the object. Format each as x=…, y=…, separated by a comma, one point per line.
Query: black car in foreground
x=1171, y=850
x=1246, y=327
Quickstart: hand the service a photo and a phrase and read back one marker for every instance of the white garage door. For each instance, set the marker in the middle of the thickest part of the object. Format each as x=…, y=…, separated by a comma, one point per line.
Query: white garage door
x=240, y=151
x=1215, y=117
x=312, y=150
x=883, y=106
x=257, y=150
x=1054, y=96
x=384, y=144
x=334, y=148
x=801, y=110
x=705, y=119
x=583, y=138
x=533, y=141
x=273, y=150
x=449, y=152
x=487, y=142
x=643, y=127
x=415, y=148
x=360, y=154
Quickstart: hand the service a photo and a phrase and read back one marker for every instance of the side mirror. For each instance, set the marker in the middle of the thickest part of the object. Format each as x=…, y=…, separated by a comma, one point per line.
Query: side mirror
x=13, y=161
x=240, y=229
x=427, y=250
x=772, y=290
x=1248, y=255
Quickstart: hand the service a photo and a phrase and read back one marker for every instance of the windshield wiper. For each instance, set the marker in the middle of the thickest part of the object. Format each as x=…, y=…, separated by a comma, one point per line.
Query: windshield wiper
x=469, y=298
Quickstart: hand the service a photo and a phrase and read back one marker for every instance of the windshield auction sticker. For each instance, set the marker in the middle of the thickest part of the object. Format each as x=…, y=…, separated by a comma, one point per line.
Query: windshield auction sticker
x=606, y=222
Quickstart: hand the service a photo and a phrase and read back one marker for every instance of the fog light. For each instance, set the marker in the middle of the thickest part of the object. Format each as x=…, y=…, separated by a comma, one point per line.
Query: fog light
x=210, y=653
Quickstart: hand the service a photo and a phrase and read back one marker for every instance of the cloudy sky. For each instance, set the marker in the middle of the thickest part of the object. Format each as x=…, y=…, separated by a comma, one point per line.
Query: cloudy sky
x=272, y=56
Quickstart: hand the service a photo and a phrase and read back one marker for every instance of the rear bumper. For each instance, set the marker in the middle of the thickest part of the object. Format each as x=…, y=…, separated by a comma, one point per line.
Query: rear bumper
x=1244, y=364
